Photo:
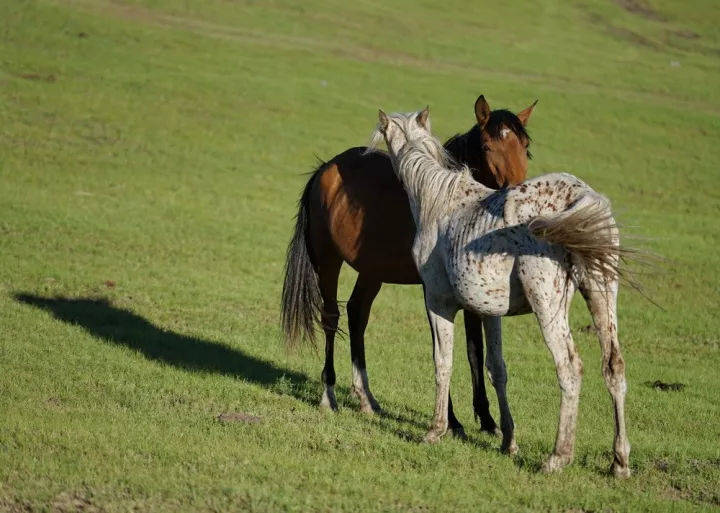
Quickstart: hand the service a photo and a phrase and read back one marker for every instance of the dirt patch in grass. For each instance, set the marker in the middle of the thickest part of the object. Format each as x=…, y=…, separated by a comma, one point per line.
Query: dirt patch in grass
x=54, y=401
x=39, y=77
x=665, y=387
x=641, y=8
x=622, y=33
x=687, y=40
x=685, y=34
x=662, y=465
x=73, y=502
x=238, y=416
x=12, y=506
x=701, y=497
x=65, y=502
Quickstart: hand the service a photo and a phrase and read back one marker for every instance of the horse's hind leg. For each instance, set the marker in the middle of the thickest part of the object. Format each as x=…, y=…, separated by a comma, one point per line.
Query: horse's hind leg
x=602, y=302
x=481, y=406
x=358, y=310
x=328, y=273
x=498, y=377
x=553, y=318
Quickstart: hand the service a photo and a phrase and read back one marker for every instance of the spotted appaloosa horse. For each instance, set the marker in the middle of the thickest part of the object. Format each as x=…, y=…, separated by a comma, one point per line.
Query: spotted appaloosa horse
x=354, y=210
x=519, y=250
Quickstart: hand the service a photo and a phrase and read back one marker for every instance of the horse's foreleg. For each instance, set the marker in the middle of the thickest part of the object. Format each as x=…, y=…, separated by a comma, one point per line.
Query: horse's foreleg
x=358, y=309
x=328, y=279
x=481, y=406
x=441, y=317
x=495, y=364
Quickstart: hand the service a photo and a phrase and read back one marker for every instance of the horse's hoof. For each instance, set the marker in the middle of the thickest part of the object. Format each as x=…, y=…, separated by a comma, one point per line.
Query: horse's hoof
x=459, y=433
x=326, y=405
x=619, y=471
x=555, y=463
x=488, y=425
x=368, y=404
x=510, y=449
x=433, y=436
x=491, y=429
x=328, y=400
x=366, y=408
x=371, y=408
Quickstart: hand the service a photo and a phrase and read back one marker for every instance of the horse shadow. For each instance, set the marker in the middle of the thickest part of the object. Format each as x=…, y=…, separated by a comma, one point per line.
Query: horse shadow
x=118, y=326
x=122, y=327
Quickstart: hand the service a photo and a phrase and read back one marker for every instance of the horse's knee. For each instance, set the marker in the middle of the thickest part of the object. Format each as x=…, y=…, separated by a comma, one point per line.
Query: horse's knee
x=576, y=365
x=328, y=375
x=616, y=363
x=352, y=306
x=497, y=375
x=443, y=373
x=614, y=371
x=330, y=314
x=330, y=308
x=570, y=376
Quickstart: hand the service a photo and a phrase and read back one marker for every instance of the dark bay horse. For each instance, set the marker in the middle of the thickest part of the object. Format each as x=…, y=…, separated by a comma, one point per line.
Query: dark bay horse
x=353, y=209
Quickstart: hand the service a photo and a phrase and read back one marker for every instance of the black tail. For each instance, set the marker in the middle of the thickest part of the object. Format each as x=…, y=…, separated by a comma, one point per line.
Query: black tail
x=301, y=300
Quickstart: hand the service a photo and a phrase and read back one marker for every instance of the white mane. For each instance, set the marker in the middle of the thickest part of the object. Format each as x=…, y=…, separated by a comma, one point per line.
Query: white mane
x=426, y=169
x=431, y=143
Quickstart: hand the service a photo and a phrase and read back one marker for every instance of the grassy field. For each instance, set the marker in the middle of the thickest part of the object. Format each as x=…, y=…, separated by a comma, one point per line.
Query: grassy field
x=151, y=157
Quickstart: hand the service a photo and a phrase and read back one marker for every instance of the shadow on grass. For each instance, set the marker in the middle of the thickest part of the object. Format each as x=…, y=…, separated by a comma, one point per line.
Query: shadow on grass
x=101, y=319
x=118, y=326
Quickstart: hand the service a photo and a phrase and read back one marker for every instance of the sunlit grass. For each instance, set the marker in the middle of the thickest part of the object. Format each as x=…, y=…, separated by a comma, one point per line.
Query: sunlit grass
x=151, y=157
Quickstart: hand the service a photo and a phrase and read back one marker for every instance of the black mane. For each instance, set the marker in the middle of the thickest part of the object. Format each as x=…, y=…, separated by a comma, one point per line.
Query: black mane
x=457, y=144
x=504, y=118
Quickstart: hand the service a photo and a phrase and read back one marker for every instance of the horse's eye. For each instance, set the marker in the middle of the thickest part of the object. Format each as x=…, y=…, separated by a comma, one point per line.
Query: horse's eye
x=485, y=148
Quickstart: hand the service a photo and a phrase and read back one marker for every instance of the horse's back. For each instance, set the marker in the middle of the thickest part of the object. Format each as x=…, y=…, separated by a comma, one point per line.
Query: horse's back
x=543, y=195
x=361, y=208
x=492, y=258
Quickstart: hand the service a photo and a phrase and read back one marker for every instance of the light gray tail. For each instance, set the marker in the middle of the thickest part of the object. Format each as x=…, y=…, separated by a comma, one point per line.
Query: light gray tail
x=589, y=232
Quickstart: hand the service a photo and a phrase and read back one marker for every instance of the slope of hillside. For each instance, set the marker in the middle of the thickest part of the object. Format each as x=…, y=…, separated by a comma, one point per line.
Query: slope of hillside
x=151, y=156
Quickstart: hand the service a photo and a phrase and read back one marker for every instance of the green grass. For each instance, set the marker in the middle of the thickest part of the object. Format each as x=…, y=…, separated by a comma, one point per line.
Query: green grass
x=159, y=145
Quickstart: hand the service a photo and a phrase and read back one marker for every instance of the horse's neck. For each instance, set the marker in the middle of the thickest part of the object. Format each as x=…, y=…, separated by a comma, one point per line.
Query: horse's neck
x=433, y=190
x=456, y=146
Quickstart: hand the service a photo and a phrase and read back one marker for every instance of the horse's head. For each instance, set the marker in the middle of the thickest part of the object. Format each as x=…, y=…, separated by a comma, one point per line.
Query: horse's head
x=398, y=129
x=402, y=129
x=496, y=148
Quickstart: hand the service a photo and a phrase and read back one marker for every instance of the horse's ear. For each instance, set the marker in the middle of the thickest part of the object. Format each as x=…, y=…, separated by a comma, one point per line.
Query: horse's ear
x=524, y=115
x=422, y=117
x=482, y=111
x=384, y=121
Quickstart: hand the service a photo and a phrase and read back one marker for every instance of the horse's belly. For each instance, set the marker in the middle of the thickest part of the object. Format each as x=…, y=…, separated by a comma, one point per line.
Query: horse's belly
x=483, y=283
x=485, y=278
